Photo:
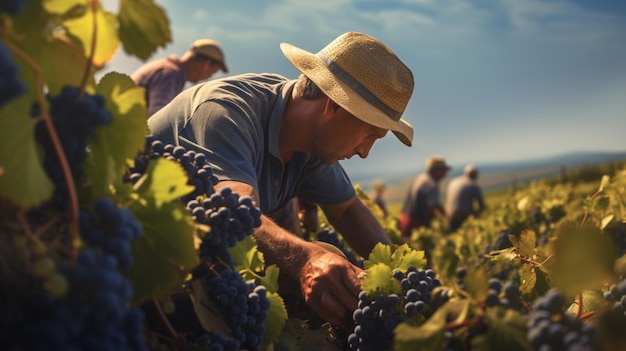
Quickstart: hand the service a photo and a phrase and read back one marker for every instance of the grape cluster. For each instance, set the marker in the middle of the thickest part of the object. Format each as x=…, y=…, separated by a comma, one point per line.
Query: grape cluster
x=231, y=219
x=88, y=309
x=76, y=119
x=194, y=163
x=616, y=294
x=112, y=229
x=505, y=294
x=93, y=315
x=10, y=84
x=329, y=235
x=376, y=317
x=550, y=328
x=243, y=305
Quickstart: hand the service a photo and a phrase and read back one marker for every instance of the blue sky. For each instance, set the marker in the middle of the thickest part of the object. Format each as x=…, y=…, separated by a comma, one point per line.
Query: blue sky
x=495, y=80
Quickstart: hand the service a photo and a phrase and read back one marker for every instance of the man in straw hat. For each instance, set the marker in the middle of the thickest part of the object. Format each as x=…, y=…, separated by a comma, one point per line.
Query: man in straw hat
x=421, y=203
x=274, y=139
x=165, y=78
x=464, y=197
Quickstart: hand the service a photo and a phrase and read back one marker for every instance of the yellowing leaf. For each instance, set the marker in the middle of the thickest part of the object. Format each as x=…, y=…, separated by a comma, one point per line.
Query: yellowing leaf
x=164, y=181
x=381, y=253
x=61, y=6
x=379, y=280
x=106, y=40
x=276, y=318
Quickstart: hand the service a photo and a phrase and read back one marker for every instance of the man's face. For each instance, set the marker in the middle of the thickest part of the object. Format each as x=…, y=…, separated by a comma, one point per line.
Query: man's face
x=341, y=135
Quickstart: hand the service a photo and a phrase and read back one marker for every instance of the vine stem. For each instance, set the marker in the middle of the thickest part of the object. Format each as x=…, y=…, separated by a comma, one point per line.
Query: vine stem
x=168, y=325
x=56, y=142
x=586, y=212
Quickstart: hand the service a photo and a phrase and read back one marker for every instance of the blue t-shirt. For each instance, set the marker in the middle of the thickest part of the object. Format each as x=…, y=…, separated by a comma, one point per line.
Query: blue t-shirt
x=235, y=121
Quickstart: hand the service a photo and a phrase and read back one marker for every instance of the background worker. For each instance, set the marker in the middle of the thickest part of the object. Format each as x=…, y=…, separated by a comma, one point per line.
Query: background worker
x=464, y=197
x=165, y=78
x=422, y=203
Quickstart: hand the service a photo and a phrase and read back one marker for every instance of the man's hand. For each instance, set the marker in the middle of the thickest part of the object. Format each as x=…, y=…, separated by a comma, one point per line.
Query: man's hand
x=330, y=287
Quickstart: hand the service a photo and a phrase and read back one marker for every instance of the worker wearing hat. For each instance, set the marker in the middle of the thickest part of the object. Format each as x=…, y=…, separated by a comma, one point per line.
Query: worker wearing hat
x=274, y=139
x=422, y=203
x=165, y=78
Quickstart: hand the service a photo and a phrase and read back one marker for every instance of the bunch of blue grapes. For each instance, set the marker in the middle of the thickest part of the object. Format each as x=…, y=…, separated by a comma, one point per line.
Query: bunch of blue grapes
x=616, y=294
x=11, y=86
x=376, y=317
x=550, y=328
x=329, y=235
x=93, y=313
x=194, y=163
x=505, y=295
x=76, y=119
x=231, y=218
x=244, y=306
x=112, y=229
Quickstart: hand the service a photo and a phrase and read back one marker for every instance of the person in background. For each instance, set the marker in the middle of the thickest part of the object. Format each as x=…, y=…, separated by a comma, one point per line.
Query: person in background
x=165, y=78
x=464, y=197
x=274, y=139
x=377, y=196
x=422, y=202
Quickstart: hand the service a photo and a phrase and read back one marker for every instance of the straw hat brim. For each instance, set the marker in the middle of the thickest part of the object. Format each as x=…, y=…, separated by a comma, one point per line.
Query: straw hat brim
x=311, y=66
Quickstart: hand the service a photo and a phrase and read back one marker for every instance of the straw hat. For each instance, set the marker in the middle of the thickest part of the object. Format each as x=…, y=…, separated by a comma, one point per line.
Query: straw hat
x=211, y=49
x=363, y=76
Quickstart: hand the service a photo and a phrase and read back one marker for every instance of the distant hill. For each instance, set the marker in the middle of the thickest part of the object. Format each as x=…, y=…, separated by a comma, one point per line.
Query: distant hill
x=503, y=174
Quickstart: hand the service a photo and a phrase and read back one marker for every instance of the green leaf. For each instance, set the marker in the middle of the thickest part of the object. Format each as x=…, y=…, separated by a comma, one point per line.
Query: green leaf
x=143, y=27
x=404, y=257
x=276, y=318
x=430, y=335
x=106, y=40
x=526, y=244
x=504, y=255
x=23, y=180
x=62, y=6
x=246, y=255
x=270, y=279
x=583, y=258
x=120, y=141
x=593, y=301
x=61, y=61
x=164, y=181
x=476, y=283
x=379, y=280
x=381, y=253
x=165, y=253
x=506, y=330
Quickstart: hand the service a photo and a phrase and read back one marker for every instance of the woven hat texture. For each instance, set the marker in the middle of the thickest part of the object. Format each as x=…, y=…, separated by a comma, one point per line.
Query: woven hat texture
x=362, y=75
x=211, y=49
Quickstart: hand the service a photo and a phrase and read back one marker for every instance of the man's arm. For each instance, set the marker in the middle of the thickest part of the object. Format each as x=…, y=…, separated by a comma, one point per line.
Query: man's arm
x=357, y=225
x=329, y=283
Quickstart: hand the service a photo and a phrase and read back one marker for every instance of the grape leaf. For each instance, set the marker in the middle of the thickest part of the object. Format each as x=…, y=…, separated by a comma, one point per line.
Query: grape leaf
x=526, y=243
x=143, y=27
x=476, y=283
x=164, y=181
x=209, y=316
x=381, y=253
x=404, y=257
x=61, y=6
x=379, y=280
x=573, y=271
x=251, y=264
x=430, y=335
x=276, y=318
x=506, y=330
x=22, y=177
x=106, y=40
x=593, y=301
x=165, y=253
x=114, y=144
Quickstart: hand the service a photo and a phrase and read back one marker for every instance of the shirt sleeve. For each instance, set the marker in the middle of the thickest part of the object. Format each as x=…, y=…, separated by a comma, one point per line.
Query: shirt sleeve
x=327, y=184
x=164, y=86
